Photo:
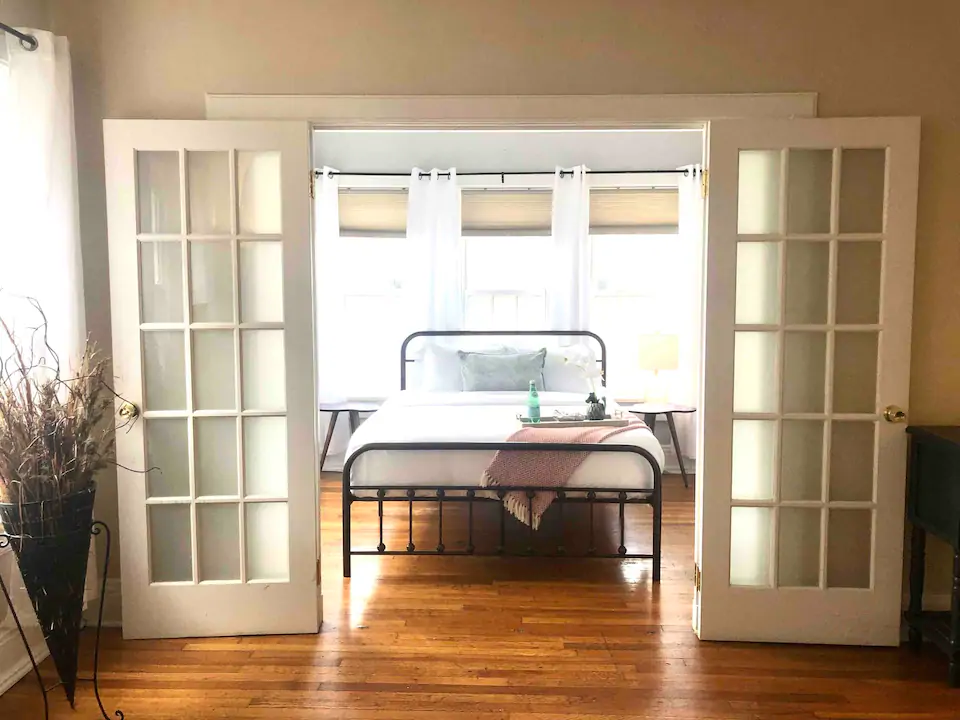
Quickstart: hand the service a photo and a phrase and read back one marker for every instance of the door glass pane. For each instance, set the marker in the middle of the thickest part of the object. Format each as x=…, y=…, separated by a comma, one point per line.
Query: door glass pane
x=168, y=473
x=851, y=460
x=158, y=191
x=208, y=180
x=754, y=453
x=216, y=456
x=268, y=546
x=161, y=282
x=751, y=541
x=214, y=378
x=170, y=544
x=264, y=376
x=211, y=281
x=758, y=283
x=754, y=372
x=165, y=380
x=801, y=460
x=804, y=368
x=758, y=206
x=848, y=548
x=861, y=190
x=809, y=179
x=807, y=282
x=858, y=282
x=261, y=282
x=265, y=456
x=258, y=190
x=218, y=541
x=855, y=372
x=798, y=555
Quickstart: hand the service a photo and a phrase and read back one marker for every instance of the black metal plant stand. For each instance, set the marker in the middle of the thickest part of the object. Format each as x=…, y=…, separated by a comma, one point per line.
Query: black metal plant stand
x=96, y=528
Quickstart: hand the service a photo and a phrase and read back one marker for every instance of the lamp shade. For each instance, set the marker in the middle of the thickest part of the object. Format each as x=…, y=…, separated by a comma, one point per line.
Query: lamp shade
x=659, y=352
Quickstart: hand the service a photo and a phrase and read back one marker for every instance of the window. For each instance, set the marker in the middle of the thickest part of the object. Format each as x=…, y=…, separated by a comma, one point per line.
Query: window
x=506, y=244
x=635, y=265
x=374, y=295
x=506, y=237
x=633, y=292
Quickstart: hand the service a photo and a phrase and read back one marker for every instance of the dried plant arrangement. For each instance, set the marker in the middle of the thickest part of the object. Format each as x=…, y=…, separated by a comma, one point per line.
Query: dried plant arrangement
x=53, y=434
x=56, y=434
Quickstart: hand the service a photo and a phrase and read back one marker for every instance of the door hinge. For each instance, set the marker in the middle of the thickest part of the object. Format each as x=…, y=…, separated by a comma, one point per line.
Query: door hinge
x=313, y=194
x=704, y=183
x=696, y=577
x=318, y=572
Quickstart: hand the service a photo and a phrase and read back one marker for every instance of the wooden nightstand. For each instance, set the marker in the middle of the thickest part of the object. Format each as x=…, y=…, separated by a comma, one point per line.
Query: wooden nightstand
x=353, y=410
x=650, y=410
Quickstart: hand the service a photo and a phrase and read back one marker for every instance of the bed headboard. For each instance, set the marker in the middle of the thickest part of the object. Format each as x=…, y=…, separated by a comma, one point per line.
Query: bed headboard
x=404, y=360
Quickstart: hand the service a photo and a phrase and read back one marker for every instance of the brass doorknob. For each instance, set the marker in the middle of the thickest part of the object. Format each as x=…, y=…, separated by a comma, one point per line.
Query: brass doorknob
x=894, y=414
x=128, y=411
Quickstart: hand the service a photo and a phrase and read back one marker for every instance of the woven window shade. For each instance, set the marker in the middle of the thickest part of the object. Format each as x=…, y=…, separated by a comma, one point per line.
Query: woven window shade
x=383, y=213
x=373, y=213
x=626, y=212
x=506, y=212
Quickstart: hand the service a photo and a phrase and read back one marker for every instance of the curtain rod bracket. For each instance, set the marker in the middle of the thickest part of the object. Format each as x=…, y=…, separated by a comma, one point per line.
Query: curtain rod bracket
x=27, y=42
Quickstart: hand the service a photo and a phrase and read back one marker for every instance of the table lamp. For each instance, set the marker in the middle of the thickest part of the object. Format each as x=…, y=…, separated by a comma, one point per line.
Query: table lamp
x=658, y=352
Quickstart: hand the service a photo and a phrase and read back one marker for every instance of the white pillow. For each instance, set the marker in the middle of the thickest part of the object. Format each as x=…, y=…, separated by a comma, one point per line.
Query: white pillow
x=441, y=370
x=561, y=376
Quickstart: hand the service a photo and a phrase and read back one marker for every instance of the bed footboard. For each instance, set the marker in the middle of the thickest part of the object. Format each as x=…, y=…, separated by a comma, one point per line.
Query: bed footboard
x=472, y=494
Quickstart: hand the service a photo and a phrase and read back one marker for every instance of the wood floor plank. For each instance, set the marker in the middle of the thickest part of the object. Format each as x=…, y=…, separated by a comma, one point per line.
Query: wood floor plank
x=503, y=639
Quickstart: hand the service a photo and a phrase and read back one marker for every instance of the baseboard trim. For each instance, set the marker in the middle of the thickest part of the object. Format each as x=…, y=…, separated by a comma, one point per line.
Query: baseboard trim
x=112, y=607
x=934, y=602
x=14, y=661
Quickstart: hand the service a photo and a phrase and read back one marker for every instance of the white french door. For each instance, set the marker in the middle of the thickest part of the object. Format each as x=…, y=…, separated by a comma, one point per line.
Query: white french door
x=809, y=287
x=211, y=297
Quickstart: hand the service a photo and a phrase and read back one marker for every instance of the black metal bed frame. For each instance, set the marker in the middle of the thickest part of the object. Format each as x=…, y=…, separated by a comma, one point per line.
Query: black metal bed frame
x=471, y=494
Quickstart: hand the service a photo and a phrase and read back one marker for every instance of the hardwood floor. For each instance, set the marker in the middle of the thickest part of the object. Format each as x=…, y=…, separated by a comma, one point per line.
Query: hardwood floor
x=503, y=639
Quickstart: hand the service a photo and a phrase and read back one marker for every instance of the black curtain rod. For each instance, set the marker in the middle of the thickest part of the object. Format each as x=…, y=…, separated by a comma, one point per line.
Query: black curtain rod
x=28, y=42
x=563, y=173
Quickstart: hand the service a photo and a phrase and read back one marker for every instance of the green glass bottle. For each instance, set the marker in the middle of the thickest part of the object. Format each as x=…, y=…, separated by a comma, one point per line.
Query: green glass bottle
x=533, y=403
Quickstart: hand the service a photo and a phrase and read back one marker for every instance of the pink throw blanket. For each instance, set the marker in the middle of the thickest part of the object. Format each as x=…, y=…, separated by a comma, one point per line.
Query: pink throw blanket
x=545, y=468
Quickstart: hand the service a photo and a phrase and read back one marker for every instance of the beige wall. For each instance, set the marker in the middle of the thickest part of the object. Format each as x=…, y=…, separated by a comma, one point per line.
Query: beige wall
x=157, y=58
x=25, y=13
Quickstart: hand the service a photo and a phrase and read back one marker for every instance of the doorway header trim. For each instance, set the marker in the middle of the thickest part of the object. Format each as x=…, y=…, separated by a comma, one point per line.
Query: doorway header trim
x=509, y=111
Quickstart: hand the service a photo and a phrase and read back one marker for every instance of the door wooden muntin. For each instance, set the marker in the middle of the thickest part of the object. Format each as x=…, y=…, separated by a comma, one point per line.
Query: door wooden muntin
x=822, y=612
x=266, y=167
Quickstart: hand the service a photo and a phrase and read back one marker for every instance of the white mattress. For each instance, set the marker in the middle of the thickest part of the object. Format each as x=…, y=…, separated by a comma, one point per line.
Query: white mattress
x=417, y=416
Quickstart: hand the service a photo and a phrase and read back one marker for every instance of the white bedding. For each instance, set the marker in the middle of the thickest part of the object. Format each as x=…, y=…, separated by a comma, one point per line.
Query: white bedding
x=417, y=416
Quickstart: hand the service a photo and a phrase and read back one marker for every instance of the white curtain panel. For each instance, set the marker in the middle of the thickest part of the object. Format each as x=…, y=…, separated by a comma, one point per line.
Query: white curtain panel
x=40, y=256
x=689, y=292
x=39, y=221
x=332, y=356
x=568, y=291
x=329, y=313
x=433, y=229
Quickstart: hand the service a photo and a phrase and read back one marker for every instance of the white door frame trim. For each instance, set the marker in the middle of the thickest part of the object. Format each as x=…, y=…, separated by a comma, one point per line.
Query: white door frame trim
x=509, y=111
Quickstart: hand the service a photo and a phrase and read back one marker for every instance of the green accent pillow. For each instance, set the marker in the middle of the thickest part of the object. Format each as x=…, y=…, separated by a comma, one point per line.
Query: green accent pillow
x=501, y=371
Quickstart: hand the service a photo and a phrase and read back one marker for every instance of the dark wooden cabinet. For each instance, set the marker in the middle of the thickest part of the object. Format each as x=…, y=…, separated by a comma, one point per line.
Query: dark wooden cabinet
x=933, y=506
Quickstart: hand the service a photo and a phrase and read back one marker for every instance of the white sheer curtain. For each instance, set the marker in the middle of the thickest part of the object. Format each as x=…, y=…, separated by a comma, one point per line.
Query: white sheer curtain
x=39, y=217
x=329, y=311
x=433, y=228
x=568, y=293
x=685, y=389
x=39, y=223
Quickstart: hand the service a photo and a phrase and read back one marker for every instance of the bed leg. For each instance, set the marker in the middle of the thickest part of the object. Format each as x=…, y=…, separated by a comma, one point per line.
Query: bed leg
x=347, y=545
x=657, y=522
